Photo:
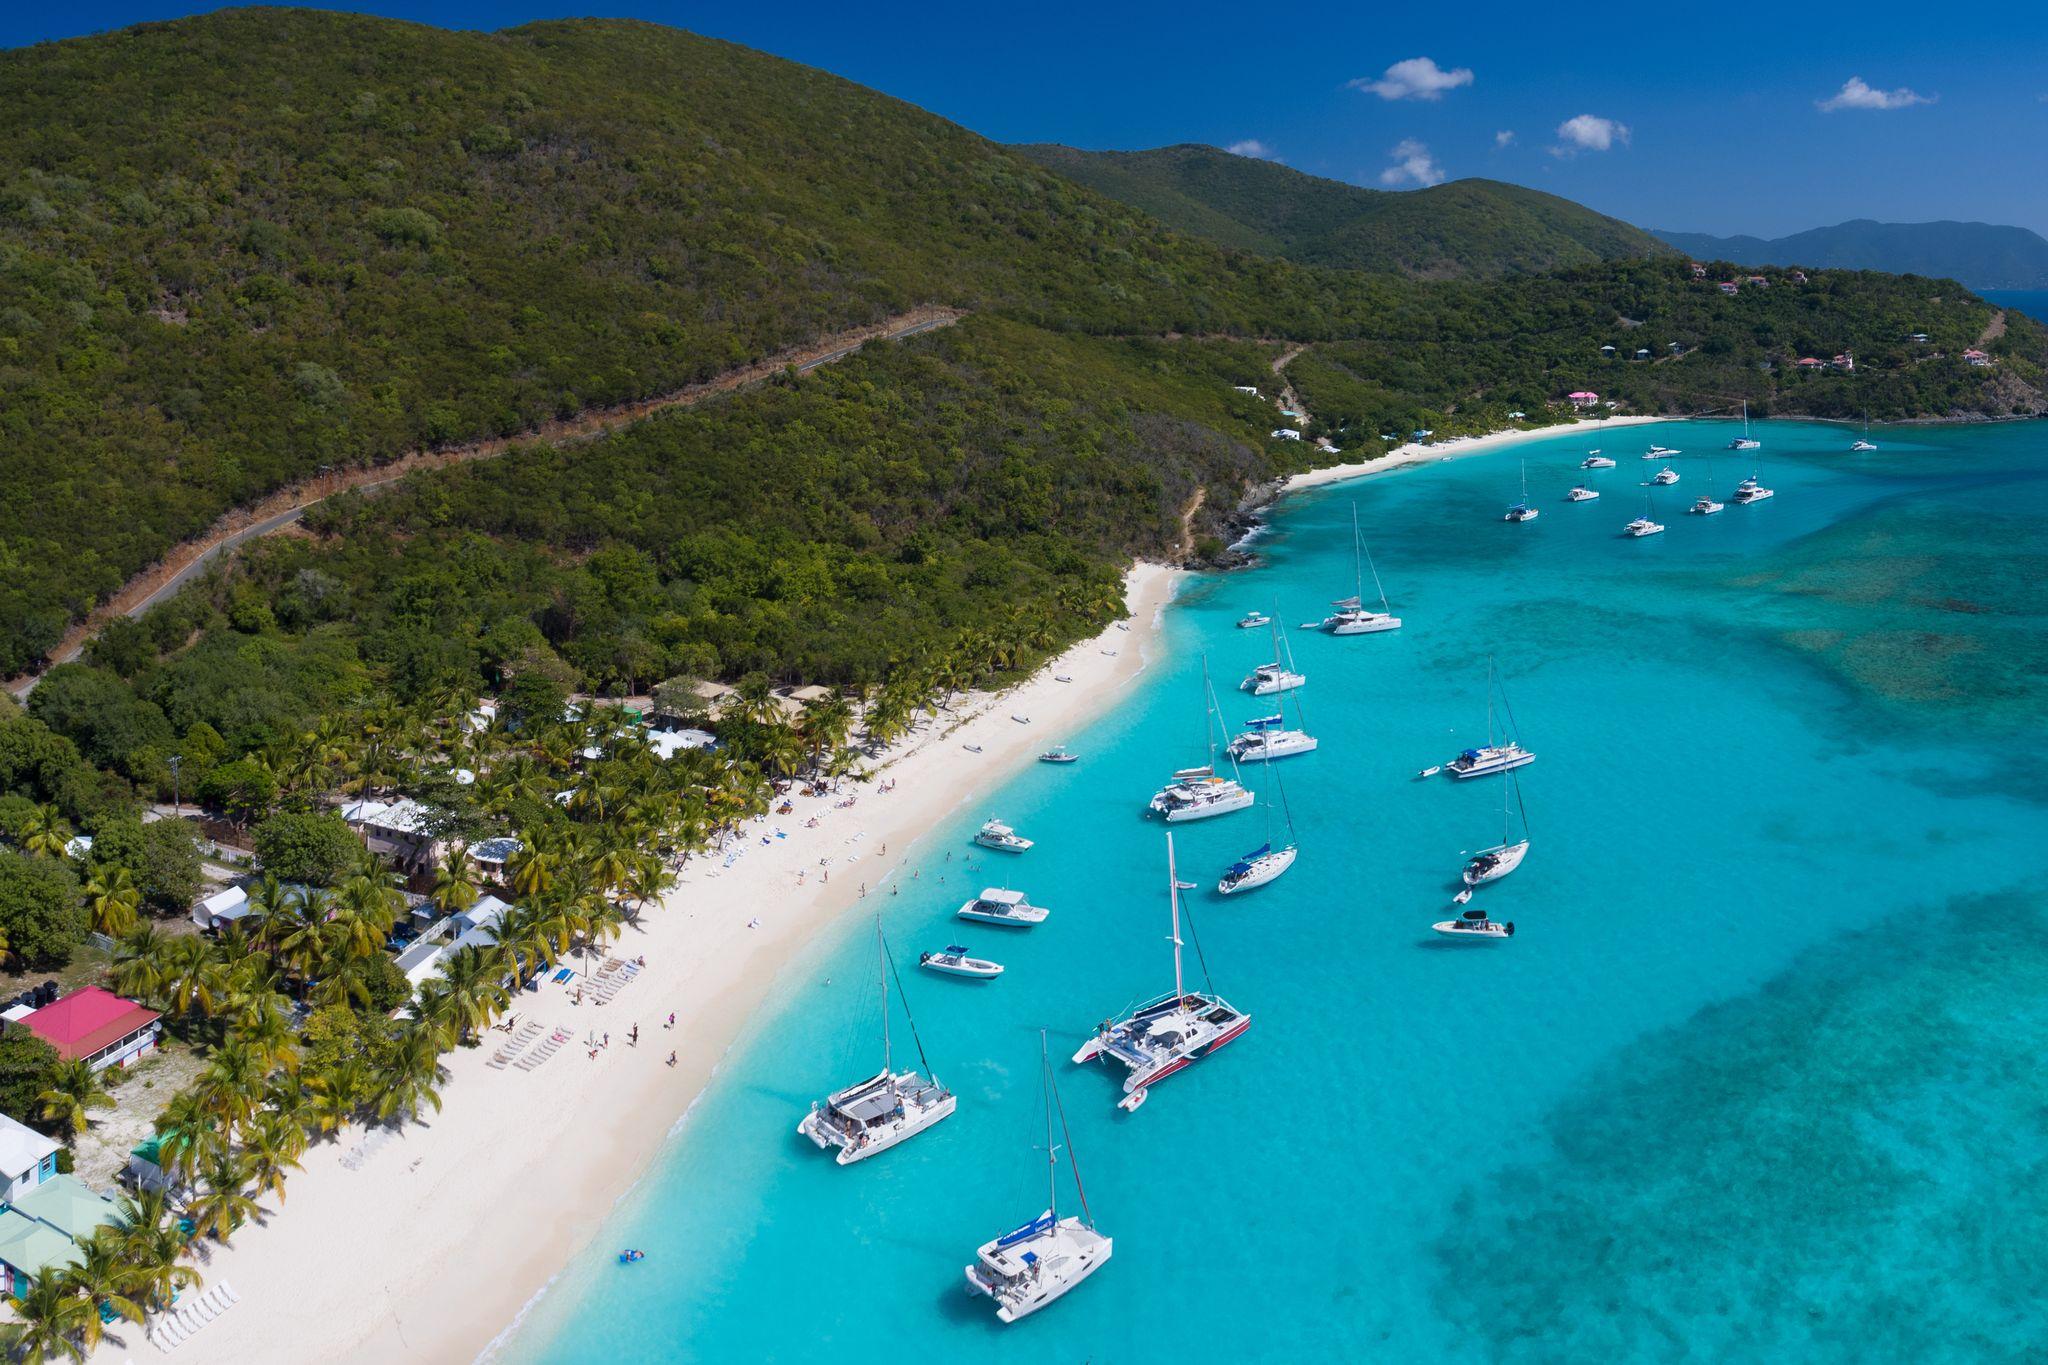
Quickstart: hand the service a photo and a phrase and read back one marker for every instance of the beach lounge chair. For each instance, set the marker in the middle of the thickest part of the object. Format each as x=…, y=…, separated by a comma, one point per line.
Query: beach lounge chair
x=229, y=1290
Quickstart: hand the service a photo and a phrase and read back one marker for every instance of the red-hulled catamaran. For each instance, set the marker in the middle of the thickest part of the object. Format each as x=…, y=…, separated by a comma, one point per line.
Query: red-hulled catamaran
x=1173, y=1031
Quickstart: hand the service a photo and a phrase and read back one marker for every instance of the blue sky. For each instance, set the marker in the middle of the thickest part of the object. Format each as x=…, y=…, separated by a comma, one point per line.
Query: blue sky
x=1711, y=121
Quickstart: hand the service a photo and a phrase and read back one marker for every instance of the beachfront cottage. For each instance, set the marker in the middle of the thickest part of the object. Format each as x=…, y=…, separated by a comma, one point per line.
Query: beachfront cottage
x=96, y=1025
x=41, y=1229
x=1583, y=398
x=27, y=1159
x=400, y=830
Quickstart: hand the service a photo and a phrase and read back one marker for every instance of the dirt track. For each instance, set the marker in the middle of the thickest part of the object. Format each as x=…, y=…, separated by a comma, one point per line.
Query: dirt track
x=285, y=506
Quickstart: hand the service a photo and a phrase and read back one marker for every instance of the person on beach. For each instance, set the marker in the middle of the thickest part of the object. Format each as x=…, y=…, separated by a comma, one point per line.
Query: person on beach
x=671, y=1059
x=633, y=1036
x=607, y=1039
x=671, y=1018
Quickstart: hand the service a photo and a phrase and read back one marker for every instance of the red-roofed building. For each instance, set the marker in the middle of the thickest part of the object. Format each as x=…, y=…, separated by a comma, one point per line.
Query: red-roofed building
x=97, y=1025
x=1807, y=362
x=1728, y=286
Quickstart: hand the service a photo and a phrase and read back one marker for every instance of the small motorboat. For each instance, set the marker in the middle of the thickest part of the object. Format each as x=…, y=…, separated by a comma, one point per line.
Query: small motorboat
x=1596, y=461
x=1462, y=896
x=999, y=836
x=1665, y=477
x=1581, y=493
x=1251, y=620
x=1061, y=677
x=1474, y=925
x=1659, y=453
x=1430, y=771
x=1058, y=754
x=955, y=962
x=997, y=906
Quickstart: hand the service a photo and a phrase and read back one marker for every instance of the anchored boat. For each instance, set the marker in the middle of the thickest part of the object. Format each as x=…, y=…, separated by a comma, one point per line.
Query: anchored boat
x=997, y=906
x=954, y=961
x=1352, y=617
x=889, y=1107
x=1491, y=864
x=1172, y=1032
x=1000, y=837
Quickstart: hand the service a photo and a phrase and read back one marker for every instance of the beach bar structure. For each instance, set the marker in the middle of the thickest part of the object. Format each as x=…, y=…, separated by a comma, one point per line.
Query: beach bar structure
x=96, y=1026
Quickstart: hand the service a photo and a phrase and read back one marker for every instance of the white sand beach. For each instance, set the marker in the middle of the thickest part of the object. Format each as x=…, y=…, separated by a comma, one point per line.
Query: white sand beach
x=1414, y=453
x=425, y=1246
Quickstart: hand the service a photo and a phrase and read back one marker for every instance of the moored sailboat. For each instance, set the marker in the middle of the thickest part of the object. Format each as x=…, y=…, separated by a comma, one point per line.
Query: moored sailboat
x=1745, y=441
x=1170, y=1033
x=1265, y=863
x=1491, y=864
x=1198, y=793
x=889, y=1107
x=1522, y=511
x=1352, y=616
x=1492, y=757
x=1029, y=1267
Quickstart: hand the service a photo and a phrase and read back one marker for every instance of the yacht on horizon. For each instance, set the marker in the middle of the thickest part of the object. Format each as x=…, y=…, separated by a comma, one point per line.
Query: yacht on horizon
x=1170, y=1033
x=1029, y=1267
x=889, y=1107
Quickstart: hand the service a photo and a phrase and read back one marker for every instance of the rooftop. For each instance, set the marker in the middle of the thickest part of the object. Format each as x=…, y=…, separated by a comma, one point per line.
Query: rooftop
x=87, y=1020
x=22, y=1147
x=69, y=1205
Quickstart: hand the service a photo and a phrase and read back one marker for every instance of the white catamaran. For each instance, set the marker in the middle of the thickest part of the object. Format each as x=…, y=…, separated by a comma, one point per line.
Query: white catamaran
x=887, y=1108
x=1522, y=511
x=1264, y=863
x=1267, y=737
x=1491, y=864
x=1275, y=677
x=1745, y=441
x=1026, y=1269
x=1863, y=442
x=1493, y=758
x=1352, y=616
x=1169, y=1033
x=1198, y=793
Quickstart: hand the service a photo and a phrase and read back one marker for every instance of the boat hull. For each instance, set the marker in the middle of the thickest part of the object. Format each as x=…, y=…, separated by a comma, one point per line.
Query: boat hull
x=1015, y=1303
x=987, y=971
x=873, y=1141
x=1180, y=815
x=1374, y=626
x=1491, y=864
x=1263, y=870
x=1490, y=766
x=1286, y=745
x=1460, y=929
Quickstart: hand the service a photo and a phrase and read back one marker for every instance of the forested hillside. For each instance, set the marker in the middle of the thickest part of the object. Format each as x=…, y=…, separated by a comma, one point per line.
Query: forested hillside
x=1465, y=228
x=242, y=248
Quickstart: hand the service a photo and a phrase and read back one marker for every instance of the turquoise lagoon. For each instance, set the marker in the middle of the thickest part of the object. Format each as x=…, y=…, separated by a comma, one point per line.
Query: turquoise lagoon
x=1758, y=1077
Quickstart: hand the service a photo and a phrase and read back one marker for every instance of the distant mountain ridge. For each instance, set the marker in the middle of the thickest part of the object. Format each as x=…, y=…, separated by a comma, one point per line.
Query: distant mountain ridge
x=1980, y=255
x=1463, y=228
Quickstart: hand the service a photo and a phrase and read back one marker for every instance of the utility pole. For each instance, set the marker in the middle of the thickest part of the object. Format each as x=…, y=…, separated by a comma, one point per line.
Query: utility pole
x=177, y=801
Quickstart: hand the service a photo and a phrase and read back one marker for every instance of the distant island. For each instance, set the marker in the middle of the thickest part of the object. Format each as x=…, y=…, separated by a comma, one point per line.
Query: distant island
x=1980, y=255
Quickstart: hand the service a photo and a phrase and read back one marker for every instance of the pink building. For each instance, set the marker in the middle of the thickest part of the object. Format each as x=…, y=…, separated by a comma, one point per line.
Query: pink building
x=1583, y=399
x=97, y=1026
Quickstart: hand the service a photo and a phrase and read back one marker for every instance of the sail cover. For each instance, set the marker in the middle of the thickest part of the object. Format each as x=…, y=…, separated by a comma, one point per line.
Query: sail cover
x=1265, y=723
x=1037, y=1227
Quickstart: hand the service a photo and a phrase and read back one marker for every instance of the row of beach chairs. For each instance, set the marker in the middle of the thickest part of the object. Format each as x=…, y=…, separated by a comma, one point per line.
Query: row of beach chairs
x=528, y=1031
x=546, y=1049
x=172, y=1330
x=613, y=977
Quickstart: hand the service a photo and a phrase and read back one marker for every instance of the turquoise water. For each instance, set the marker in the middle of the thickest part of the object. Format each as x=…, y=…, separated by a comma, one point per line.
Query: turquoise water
x=1756, y=1079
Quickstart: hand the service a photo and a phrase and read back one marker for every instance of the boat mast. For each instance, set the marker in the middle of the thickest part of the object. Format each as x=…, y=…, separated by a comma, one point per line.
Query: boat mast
x=1357, y=574
x=1052, y=1174
x=1173, y=899
x=882, y=963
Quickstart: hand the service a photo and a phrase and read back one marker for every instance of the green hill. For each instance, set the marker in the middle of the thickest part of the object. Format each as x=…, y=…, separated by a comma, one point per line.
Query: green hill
x=1464, y=228
x=241, y=248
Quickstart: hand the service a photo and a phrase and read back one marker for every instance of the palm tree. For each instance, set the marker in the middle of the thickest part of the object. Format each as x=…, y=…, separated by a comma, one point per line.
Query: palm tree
x=223, y=1206
x=269, y=1035
x=647, y=879
x=536, y=864
x=455, y=882
x=473, y=981
x=45, y=832
x=155, y=1254
x=194, y=980
x=74, y=1088
x=112, y=898
x=335, y=1094
x=366, y=906
x=270, y=1147
x=187, y=1134
x=232, y=1084
x=782, y=751
x=107, y=1279
x=53, y=1315
x=139, y=963
x=412, y=1077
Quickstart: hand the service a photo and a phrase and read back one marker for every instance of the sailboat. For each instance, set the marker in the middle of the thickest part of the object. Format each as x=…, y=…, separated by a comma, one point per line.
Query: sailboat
x=1522, y=511
x=1704, y=505
x=1494, y=758
x=1198, y=793
x=1750, y=490
x=1275, y=677
x=1665, y=477
x=887, y=1108
x=1267, y=737
x=1352, y=617
x=1745, y=441
x=1172, y=1032
x=1864, y=442
x=1491, y=864
x=1027, y=1268
x=1643, y=525
x=1264, y=863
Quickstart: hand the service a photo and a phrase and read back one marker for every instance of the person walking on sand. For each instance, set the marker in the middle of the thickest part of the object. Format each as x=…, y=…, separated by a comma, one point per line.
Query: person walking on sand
x=671, y=1059
x=633, y=1036
x=607, y=1039
x=671, y=1018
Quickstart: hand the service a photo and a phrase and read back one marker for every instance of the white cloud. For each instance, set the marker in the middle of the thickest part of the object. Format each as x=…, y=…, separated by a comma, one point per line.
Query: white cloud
x=1589, y=133
x=1413, y=165
x=1417, y=78
x=1251, y=146
x=1856, y=93
x=1504, y=138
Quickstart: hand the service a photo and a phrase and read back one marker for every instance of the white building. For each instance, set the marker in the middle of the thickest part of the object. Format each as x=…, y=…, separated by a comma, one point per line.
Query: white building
x=27, y=1159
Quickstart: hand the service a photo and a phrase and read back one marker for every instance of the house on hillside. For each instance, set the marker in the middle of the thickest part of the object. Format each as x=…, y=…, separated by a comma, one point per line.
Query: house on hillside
x=1807, y=364
x=1286, y=434
x=1246, y=388
x=1607, y=351
x=1642, y=353
x=1583, y=398
x=1759, y=281
x=1973, y=356
x=1699, y=272
x=1844, y=362
x=1798, y=277
x=95, y=1026
x=1917, y=336
x=1729, y=287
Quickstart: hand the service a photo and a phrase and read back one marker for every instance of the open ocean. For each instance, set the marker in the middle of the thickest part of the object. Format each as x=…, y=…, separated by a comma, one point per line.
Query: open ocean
x=1758, y=1078
x=2032, y=302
